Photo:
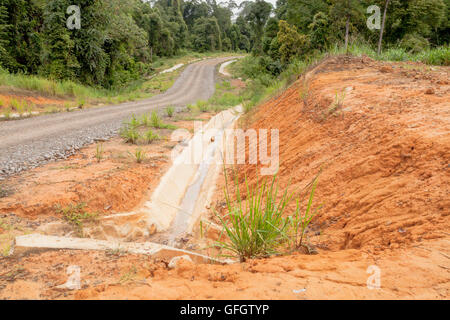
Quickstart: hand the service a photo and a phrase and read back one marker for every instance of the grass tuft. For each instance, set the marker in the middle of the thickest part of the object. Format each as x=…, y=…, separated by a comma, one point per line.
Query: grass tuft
x=257, y=226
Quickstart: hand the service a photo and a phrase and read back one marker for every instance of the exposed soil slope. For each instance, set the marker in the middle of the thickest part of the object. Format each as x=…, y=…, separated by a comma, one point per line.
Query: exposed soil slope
x=384, y=153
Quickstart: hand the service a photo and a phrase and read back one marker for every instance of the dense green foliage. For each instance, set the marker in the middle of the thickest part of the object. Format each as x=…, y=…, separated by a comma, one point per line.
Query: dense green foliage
x=120, y=41
x=302, y=28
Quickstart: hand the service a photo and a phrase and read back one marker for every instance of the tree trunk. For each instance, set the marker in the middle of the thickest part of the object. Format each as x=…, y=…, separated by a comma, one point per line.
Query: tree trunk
x=347, y=26
x=380, y=41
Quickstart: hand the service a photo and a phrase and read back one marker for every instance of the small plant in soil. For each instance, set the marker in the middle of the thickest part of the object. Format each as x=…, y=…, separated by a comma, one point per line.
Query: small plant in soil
x=156, y=120
x=134, y=122
x=191, y=108
x=14, y=104
x=29, y=108
x=99, y=152
x=76, y=215
x=259, y=226
x=150, y=136
x=202, y=105
x=170, y=110
x=298, y=223
x=3, y=191
x=129, y=134
x=81, y=103
x=145, y=120
x=304, y=92
x=129, y=275
x=338, y=102
x=138, y=155
x=157, y=123
x=7, y=113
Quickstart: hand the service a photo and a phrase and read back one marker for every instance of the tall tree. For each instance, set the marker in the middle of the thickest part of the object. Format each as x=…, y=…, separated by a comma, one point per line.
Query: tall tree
x=256, y=14
x=380, y=41
x=348, y=11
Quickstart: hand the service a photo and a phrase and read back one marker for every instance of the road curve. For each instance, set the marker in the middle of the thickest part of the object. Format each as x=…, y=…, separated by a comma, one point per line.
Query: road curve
x=31, y=142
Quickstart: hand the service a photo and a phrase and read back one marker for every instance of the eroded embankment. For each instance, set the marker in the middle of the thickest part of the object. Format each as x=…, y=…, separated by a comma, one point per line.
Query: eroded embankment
x=383, y=148
x=380, y=133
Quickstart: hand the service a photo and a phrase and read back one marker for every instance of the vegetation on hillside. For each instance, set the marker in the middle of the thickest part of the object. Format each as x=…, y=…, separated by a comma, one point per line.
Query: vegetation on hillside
x=121, y=41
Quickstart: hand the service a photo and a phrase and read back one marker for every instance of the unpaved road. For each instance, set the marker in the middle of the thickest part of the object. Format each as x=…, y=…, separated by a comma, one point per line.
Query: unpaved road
x=30, y=142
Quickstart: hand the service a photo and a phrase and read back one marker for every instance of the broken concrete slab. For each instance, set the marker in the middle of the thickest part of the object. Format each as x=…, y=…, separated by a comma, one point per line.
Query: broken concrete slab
x=38, y=242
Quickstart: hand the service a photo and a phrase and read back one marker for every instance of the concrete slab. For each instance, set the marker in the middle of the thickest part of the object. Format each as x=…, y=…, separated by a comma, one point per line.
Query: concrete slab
x=37, y=242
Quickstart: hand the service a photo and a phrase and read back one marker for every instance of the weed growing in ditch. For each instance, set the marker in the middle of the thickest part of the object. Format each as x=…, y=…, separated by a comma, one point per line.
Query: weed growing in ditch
x=129, y=134
x=138, y=155
x=202, y=105
x=170, y=110
x=150, y=136
x=7, y=113
x=304, y=92
x=134, y=122
x=337, y=104
x=298, y=223
x=156, y=120
x=258, y=226
x=145, y=120
x=3, y=192
x=99, y=152
x=191, y=108
x=76, y=215
x=129, y=276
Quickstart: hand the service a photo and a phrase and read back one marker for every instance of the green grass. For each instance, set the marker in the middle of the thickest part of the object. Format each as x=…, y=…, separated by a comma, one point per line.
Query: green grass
x=170, y=110
x=430, y=56
x=156, y=121
x=129, y=134
x=76, y=215
x=99, y=152
x=259, y=225
x=139, y=155
x=202, y=105
x=150, y=136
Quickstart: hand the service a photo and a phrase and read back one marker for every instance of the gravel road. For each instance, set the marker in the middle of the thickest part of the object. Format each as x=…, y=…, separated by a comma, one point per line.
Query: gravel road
x=28, y=143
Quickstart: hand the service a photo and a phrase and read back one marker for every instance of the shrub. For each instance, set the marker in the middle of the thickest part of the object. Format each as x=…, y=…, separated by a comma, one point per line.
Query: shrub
x=145, y=120
x=257, y=227
x=129, y=134
x=156, y=120
x=150, y=136
x=99, y=152
x=139, y=155
x=202, y=105
x=170, y=110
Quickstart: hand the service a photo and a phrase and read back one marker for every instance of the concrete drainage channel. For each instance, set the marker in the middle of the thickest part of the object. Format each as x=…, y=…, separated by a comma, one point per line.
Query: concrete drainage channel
x=174, y=209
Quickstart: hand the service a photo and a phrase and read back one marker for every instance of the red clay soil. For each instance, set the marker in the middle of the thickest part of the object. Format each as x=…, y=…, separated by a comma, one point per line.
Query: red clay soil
x=115, y=184
x=38, y=103
x=384, y=154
